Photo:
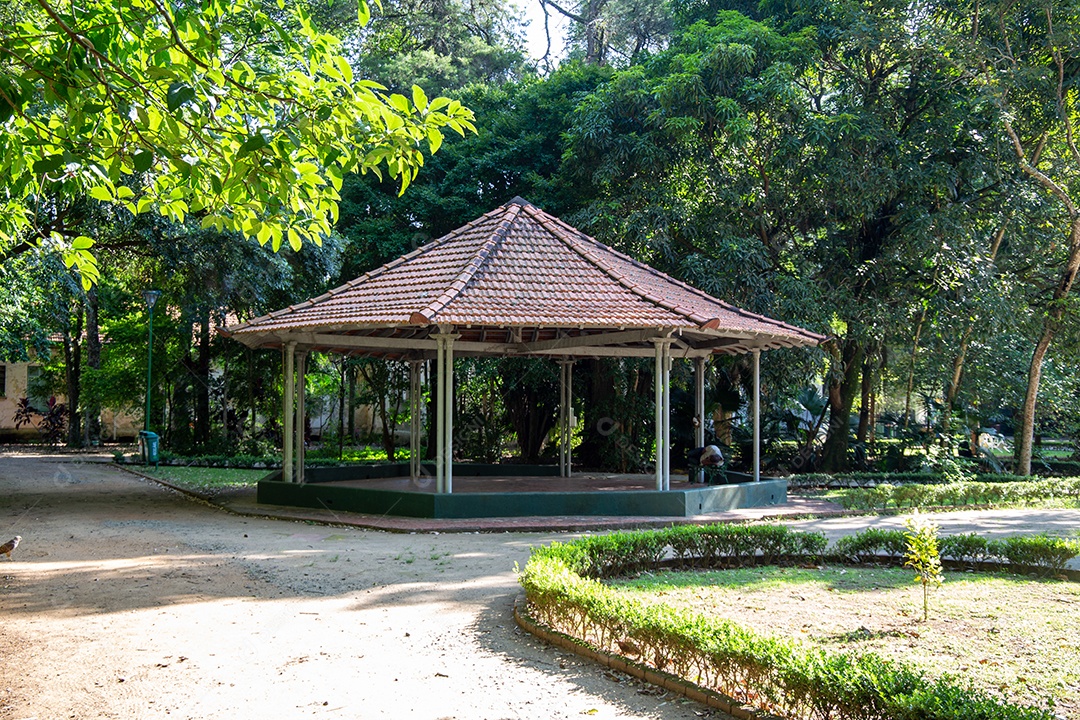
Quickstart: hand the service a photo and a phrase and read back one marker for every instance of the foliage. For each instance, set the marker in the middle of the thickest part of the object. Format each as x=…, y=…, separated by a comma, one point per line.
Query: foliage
x=53, y=423
x=922, y=556
x=246, y=118
x=772, y=675
x=942, y=459
x=1040, y=553
x=870, y=545
x=1004, y=491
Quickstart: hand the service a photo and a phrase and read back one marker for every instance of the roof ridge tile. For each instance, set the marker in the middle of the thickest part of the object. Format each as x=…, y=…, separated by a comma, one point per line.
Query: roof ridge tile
x=479, y=259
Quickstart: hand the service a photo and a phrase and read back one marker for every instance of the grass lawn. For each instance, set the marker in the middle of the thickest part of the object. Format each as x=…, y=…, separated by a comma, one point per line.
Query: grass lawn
x=202, y=479
x=1017, y=637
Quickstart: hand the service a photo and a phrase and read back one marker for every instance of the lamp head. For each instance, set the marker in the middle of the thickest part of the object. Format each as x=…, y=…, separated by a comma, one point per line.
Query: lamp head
x=151, y=297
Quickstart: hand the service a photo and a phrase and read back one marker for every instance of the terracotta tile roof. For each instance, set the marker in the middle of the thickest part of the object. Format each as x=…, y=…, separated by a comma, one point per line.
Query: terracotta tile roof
x=519, y=267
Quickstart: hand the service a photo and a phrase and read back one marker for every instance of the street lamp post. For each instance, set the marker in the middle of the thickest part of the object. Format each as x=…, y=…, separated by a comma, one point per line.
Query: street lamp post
x=151, y=297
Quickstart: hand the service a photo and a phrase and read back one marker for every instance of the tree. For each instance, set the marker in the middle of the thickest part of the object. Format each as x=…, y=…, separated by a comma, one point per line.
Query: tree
x=606, y=30
x=1024, y=54
x=246, y=118
x=441, y=45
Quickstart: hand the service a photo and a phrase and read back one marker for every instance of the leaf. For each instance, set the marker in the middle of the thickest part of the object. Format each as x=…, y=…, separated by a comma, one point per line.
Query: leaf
x=143, y=160
x=253, y=143
x=100, y=192
x=419, y=98
x=82, y=243
x=178, y=94
x=363, y=13
x=294, y=240
x=48, y=164
x=435, y=139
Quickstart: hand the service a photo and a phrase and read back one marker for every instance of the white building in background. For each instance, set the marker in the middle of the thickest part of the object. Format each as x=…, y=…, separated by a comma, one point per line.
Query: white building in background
x=16, y=380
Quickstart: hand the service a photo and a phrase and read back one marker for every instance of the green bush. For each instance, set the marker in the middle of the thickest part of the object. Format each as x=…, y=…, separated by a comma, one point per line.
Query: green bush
x=887, y=496
x=969, y=548
x=872, y=479
x=1037, y=551
x=773, y=675
x=871, y=545
x=709, y=546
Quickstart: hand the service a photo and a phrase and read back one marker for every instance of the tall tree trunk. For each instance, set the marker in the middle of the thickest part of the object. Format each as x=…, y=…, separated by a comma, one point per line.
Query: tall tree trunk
x=249, y=357
x=433, y=421
x=866, y=399
x=352, y=404
x=598, y=395
x=202, y=383
x=911, y=365
x=842, y=391
x=341, y=411
x=93, y=363
x=1051, y=323
x=953, y=389
x=73, y=376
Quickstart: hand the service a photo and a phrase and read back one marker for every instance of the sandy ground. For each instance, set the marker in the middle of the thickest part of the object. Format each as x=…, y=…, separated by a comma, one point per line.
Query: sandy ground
x=127, y=600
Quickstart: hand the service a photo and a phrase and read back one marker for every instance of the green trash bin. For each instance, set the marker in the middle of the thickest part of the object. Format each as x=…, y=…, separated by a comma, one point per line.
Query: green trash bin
x=149, y=441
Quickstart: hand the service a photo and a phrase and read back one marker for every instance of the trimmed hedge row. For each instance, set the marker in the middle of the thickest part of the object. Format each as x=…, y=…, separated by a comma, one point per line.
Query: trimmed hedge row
x=562, y=583
x=1040, y=552
x=808, y=481
x=888, y=495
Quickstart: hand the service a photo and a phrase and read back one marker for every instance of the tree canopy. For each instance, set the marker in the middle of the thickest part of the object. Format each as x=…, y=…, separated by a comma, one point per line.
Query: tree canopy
x=247, y=117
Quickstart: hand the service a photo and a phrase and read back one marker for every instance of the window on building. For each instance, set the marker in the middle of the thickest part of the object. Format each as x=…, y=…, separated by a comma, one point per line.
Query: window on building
x=3, y=380
x=33, y=389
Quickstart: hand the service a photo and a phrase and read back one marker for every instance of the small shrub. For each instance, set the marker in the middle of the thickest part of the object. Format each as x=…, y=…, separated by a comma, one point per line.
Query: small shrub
x=1039, y=551
x=922, y=556
x=969, y=548
x=871, y=545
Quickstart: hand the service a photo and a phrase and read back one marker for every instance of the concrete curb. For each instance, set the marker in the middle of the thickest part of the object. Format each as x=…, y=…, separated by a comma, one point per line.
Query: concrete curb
x=386, y=523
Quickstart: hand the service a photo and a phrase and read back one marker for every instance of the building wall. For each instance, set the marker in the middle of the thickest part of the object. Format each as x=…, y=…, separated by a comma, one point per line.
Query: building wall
x=16, y=382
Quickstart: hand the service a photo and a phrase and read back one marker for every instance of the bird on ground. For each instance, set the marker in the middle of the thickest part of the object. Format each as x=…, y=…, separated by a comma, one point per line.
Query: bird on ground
x=10, y=545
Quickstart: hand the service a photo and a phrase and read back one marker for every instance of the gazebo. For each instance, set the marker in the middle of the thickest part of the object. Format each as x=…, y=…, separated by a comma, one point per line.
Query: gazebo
x=514, y=282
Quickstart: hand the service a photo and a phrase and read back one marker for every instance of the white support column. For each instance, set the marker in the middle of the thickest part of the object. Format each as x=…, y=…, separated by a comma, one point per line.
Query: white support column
x=288, y=396
x=448, y=420
x=444, y=432
x=667, y=416
x=658, y=382
x=301, y=413
x=699, y=408
x=562, y=419
x=569, y=417
x=757, y=415
x=566, y=417
x=440, y=414
x=414, y=419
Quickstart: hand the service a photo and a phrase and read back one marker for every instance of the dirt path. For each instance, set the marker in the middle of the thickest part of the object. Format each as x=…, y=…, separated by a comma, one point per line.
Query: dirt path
x=126, y=600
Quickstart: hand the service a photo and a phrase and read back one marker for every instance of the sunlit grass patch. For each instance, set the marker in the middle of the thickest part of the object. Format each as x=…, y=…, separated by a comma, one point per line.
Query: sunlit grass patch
x=1015, y=636
x=206, y=478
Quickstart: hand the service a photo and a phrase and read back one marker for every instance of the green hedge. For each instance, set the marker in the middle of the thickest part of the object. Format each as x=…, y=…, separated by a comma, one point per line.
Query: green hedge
x=1057, y=467
x=886, y=496
x=871, y=479
x=1039, y=552
x=562, y=583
